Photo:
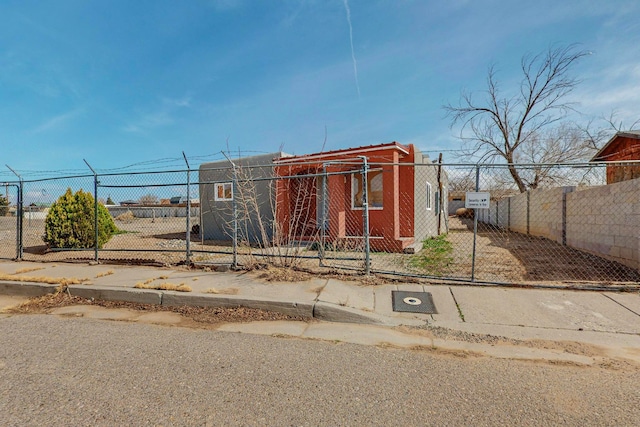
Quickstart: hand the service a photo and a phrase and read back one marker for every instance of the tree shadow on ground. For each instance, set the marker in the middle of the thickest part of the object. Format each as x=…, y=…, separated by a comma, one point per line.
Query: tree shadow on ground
x=548, y=261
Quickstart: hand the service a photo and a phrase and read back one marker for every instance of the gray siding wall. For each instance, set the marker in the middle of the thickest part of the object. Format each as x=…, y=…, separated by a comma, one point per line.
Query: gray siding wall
x=253, y=195
x=426, y=221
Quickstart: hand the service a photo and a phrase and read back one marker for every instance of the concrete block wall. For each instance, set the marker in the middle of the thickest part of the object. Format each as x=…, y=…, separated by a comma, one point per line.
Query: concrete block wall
x=492, y=213
x=606, y=221
x=518, y=213
x=601, y=220
x=502, y=213
x=546, y=213
x=153, y=212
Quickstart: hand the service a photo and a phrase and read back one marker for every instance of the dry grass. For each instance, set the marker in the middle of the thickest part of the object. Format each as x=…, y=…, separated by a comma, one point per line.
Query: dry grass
x=44, y=279
x=126, y=217
x=281, y=274
x=228, y=291
x=28, y=269
x=104, y=273
x=165, y=287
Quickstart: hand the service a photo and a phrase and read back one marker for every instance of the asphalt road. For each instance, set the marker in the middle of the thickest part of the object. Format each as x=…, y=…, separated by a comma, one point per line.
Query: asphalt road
x=72, y=371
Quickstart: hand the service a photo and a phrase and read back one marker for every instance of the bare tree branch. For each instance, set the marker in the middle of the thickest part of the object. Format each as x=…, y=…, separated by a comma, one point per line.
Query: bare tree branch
x=497, y=126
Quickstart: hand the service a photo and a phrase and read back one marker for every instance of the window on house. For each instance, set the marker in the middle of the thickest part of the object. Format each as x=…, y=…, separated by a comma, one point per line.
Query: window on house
x=223, y=191
x=429, y=196
x=374, y=189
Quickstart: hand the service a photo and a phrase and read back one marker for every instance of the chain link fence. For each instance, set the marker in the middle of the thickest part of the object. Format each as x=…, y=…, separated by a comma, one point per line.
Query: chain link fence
x=539, y=224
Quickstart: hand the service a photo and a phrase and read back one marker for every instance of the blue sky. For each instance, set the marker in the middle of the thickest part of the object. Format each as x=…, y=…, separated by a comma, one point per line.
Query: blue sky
x=121, y=82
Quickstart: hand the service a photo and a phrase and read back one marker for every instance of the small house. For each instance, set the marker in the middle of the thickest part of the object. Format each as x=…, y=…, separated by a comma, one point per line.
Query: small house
x=324, y=193
x=244, y=184
x=623, y=146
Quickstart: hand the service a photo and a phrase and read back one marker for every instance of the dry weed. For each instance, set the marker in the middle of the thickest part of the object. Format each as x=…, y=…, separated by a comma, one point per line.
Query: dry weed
x=104, y=273
x=165, y=287
x=126, y=217
x=227, y=291
x=282, y=274
x=44, y=279
x=28, y=269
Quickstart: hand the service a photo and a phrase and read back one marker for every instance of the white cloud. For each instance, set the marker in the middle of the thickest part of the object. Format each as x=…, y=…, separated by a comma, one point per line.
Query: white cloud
x=56, y=121
x=150, y=121
x=163, y=116
x=177, y=102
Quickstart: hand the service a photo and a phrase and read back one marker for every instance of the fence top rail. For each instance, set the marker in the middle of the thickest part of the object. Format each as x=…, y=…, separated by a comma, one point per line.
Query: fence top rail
x=576, y=165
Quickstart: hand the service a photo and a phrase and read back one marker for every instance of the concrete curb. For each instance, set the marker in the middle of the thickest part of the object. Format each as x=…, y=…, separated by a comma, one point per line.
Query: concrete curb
x=318, y=310
x=290, y=308
x=337, y=313
x=27, y=289
x=118, y=294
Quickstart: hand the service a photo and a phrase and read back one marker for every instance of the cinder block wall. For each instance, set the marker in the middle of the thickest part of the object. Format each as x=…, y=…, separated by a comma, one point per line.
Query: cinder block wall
x=151, y=212
x=545, y=212
x=518, y=213
x=502, y=214
x=602, y=220
x=606, y=221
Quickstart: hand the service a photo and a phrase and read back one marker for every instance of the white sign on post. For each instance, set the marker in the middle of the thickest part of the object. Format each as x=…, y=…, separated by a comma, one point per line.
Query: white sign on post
x=477, y=200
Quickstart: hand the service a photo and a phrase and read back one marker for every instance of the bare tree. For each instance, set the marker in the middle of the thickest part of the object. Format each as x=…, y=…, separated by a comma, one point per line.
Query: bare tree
x=461, y=180
x=499, y=126
x=565, y=143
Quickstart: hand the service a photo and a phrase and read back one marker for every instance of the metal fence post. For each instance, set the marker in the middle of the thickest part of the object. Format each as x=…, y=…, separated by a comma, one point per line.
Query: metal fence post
x=20, y=224
x=188, y=212
x=234, y=208
x=323, y=217
x=528, y=212
x=20, y=213
x=365, y=216
x=475, y=229
x=234, y=189
x=95, y=211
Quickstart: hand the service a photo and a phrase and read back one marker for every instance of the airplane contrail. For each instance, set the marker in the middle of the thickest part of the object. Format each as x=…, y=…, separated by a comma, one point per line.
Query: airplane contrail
x=353, y=55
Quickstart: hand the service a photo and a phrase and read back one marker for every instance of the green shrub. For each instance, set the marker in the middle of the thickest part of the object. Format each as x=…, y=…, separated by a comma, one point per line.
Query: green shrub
x=70, y=222
x=4, y=206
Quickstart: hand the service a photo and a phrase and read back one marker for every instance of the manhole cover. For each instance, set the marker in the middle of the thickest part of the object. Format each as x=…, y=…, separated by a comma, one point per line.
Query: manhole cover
x=413, y=302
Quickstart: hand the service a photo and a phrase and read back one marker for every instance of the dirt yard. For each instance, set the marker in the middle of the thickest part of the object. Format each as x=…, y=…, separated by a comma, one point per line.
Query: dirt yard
x=501, y=256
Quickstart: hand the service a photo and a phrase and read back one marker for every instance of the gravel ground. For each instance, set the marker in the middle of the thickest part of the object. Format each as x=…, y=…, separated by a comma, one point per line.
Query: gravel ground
x=69, y=371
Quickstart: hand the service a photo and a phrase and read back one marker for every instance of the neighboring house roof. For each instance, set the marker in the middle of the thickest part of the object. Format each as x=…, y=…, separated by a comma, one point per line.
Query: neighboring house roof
x=346, y=152
x=610, y=148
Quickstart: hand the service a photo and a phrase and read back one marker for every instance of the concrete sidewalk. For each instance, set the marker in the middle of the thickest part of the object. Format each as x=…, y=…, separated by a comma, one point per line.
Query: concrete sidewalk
x=606, y=319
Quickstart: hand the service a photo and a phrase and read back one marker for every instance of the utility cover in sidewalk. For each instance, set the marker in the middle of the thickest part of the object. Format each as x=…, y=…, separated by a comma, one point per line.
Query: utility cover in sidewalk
x=413, y=302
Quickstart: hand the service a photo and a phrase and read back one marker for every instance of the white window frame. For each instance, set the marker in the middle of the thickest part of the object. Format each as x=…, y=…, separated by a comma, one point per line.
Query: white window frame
x=429, y=193
x=353, y=184
x=216, y=186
